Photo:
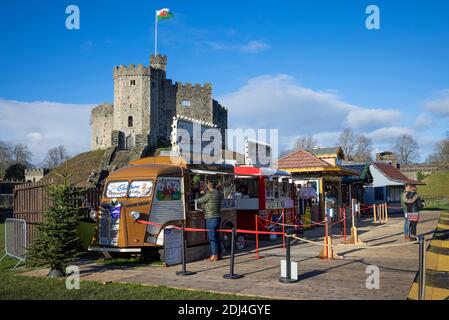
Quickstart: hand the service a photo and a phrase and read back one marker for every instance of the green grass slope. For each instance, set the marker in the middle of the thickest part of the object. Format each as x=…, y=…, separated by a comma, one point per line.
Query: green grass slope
x=437, y=184
x=80, y=166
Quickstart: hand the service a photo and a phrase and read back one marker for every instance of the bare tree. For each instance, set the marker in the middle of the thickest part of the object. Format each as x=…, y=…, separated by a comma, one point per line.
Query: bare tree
x=5, y=157
x=21, y=154
x=406, y=148
x=362, y=151
x=305, y=143
x=55, y=157
x=347, y=141
x=441, y=154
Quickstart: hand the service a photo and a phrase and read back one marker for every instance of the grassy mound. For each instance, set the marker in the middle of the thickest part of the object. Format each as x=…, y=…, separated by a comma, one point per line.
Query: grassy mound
x=81, y=166
x=437, y=184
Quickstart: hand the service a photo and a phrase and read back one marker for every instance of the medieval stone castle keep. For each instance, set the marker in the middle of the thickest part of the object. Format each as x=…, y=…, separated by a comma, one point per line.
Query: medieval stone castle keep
x=145, y=102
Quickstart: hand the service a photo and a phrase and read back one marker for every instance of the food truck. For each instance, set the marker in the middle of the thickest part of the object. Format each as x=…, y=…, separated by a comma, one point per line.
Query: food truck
x=264, y=192
x=161, y=191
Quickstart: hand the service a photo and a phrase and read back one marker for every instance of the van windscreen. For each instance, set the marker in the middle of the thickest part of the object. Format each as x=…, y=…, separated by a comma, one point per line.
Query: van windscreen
x=117, y=189
x=140, y=189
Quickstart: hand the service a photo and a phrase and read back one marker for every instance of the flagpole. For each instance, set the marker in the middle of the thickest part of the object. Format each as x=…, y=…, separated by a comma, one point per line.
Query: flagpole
x=155, y=34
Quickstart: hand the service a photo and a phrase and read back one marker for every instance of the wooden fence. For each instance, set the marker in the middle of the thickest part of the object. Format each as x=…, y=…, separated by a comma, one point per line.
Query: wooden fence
x=31, y=200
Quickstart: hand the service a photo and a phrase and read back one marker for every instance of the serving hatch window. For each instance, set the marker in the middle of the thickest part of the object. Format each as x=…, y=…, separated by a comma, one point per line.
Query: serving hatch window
x=248, y=188
x=140, y=189
x=117, y=189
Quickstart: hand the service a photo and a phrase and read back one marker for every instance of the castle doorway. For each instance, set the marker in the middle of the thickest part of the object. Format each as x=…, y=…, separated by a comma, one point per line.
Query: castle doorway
x=130, y=142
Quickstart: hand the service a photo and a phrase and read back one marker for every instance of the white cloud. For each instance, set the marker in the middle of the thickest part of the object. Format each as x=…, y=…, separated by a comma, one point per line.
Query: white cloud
x=388, y=134
x=423, y=121
x=369, y=118
x=280, y=102
x=440, y=105
x=43, y=125
x=253, y=47
x=34, y=136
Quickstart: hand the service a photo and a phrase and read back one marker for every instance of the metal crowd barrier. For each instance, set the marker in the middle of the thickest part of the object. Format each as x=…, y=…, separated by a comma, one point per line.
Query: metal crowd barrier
x=15, y=240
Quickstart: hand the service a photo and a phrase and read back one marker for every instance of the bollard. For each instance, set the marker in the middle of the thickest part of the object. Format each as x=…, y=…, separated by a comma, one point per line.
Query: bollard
x=327, y=253
x=283, y=228
x=422, y=268
x=288, y=279
x=344, y=225
x=257, y=238
x=231, y=274
x=354, y=231
x=352, y=218
x=374, y=213
x=184, y=271
x=340, y=216
x=386, y=212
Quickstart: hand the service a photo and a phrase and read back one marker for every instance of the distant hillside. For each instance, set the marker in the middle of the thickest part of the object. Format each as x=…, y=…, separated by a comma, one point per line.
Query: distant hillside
x=437, y=184
x=81, y=166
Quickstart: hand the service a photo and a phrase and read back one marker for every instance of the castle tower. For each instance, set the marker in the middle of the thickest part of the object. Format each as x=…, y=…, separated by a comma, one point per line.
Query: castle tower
x=158, y=98
x=158, y=62
x=132, y=86
x=145, y=102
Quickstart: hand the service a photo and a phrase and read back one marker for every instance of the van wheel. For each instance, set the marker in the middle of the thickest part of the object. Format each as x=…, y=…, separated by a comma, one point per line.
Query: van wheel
x=112, y=255
x=151, y=254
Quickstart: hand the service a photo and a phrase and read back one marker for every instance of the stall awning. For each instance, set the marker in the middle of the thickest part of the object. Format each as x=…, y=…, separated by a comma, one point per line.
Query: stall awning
x=256, y=171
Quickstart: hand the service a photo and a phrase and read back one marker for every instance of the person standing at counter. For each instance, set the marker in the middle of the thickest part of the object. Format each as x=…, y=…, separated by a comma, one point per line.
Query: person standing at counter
x=212, y=213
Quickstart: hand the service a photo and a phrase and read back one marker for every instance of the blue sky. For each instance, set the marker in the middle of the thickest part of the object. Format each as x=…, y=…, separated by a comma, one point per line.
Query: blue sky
x=303, y=59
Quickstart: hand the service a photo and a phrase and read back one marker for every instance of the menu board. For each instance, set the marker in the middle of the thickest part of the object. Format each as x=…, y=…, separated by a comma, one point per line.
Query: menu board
x=172, y=246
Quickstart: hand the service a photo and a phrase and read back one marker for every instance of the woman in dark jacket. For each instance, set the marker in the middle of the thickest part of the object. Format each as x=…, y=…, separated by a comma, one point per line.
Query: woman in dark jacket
x=414, y=205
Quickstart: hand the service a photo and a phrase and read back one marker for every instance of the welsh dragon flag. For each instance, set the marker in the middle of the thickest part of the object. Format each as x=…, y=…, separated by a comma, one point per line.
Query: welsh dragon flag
x=163, y=14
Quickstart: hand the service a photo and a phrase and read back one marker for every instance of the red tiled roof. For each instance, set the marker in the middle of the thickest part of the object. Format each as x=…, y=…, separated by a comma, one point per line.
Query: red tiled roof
x=393, y=173
x=301, y=159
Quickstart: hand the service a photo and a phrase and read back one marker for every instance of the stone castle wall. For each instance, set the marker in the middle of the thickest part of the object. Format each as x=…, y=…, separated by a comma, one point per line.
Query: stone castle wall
x=35, y=175
x=145, y=102
x=101, y=123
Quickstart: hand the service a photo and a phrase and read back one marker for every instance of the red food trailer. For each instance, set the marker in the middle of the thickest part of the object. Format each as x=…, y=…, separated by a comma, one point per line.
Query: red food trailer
x=265, y=193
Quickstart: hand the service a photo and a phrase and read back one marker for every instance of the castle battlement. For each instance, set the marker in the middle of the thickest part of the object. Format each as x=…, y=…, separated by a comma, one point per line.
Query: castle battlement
x=189, y=88
x=104, y=108
x=131, y=70
x=37, y=171
x=36, y=174
x=158, y=62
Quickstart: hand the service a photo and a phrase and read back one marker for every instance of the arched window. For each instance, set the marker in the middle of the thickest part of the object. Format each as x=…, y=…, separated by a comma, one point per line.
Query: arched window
x=130, y=121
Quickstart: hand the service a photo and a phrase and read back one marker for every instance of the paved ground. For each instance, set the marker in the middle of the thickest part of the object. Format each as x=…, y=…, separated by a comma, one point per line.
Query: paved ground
x=319, y=279
x=437, y=264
